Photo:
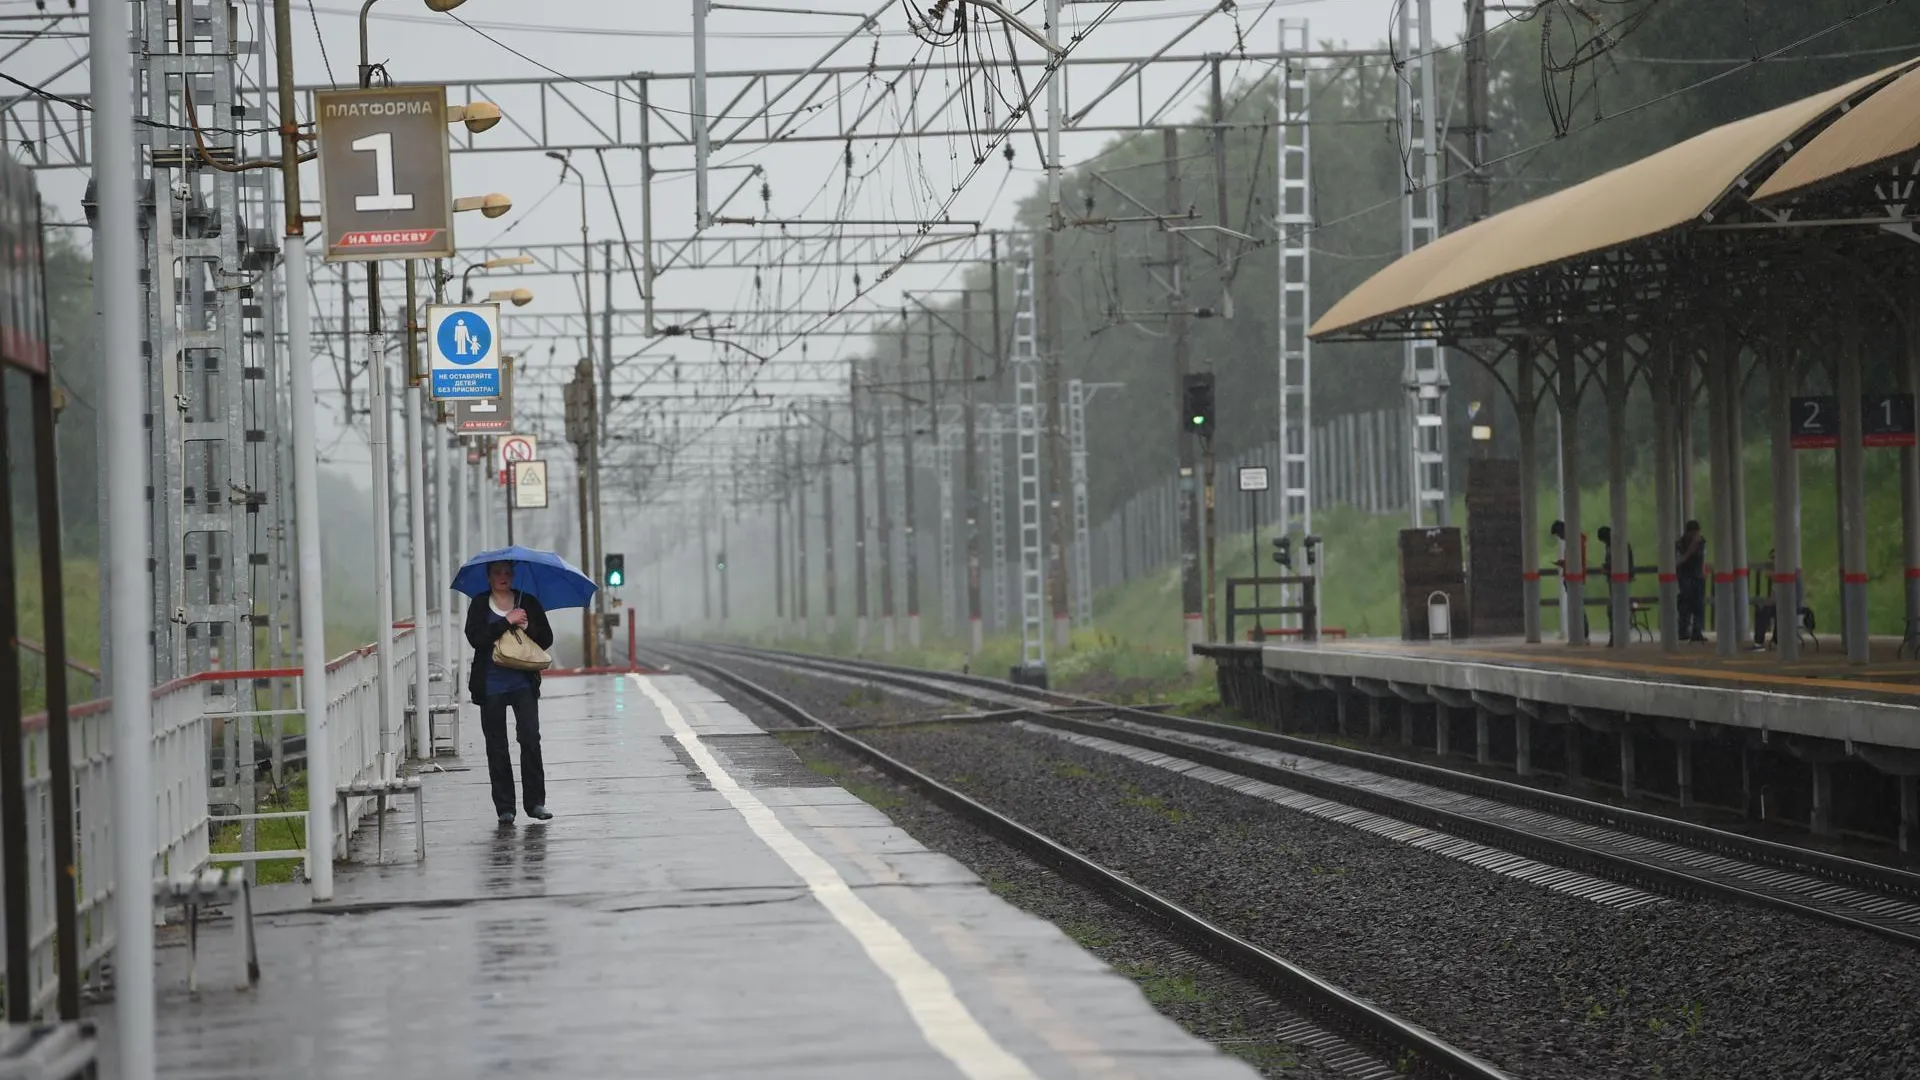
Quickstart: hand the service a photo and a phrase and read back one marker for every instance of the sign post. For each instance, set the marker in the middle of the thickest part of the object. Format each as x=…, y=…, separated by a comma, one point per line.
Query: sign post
x=385, y=180
x=1253, y=480
x=466, y=357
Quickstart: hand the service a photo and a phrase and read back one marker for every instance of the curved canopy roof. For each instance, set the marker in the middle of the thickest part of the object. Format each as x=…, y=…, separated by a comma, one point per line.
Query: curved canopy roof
x=1886, y=125
x=1636, y=201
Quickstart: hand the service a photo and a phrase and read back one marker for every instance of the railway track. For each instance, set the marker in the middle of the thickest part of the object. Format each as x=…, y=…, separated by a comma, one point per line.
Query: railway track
x=1355, y=1037
x=1634, y=849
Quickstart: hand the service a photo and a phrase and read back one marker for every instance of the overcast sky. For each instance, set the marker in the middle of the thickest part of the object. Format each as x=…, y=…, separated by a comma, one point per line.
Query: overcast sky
x=581, y=39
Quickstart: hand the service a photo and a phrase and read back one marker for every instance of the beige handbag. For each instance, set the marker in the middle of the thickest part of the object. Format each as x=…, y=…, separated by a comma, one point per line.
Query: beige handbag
x=514, y=649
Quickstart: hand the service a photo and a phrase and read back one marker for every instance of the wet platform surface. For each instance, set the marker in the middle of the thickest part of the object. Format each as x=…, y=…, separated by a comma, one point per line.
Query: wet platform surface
x=1886, y=675
x=1820, y=694
x=701, y=905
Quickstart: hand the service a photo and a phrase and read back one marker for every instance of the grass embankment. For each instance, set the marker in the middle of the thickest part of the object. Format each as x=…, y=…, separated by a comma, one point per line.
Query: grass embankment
x=1135, y=651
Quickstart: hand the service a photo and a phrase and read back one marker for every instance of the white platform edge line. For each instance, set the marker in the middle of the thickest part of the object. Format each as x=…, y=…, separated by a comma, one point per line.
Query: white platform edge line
x=947, y=1024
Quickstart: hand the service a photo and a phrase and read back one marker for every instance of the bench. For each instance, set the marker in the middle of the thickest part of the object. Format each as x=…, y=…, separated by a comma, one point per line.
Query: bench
x=384, y=790
x=442, y=744
x=216, y=887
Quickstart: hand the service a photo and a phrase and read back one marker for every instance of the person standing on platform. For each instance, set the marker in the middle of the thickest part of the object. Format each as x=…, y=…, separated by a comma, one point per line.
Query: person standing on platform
x=1605, y=535
x=494, y=688
x=1690, y=570
x=1571, y=598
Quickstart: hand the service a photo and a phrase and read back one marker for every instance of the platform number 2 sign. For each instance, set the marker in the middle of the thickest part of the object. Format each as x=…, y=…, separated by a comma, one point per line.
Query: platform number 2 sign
x=1816, y=422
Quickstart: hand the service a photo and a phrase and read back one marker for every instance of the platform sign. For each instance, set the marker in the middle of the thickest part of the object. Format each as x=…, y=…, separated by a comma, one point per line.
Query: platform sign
x=529, y=485
x=386, y=182
x=514, y=448
x=483, y=416
x=1253, y=478
x=464, y=342
x=1886, y=420
x=1816, y=423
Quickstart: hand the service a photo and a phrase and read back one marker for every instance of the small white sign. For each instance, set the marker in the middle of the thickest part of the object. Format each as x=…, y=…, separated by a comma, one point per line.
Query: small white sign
x=464, y=341
x=1253, y=478
x=530, y=485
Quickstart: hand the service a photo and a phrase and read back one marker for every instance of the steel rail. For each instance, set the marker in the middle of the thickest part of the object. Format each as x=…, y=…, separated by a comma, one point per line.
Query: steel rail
x=1899, y=921
x=1433, y=1056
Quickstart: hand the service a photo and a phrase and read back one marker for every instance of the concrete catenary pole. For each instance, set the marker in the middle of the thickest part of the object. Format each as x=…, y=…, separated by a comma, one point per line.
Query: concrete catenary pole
x=306, y=483
x=117, y=291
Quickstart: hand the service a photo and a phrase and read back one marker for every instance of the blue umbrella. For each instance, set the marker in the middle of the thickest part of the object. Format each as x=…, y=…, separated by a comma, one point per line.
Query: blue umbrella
x=551, y=579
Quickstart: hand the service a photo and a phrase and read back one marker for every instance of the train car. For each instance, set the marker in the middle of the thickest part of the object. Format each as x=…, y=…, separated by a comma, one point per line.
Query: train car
x=23, y=322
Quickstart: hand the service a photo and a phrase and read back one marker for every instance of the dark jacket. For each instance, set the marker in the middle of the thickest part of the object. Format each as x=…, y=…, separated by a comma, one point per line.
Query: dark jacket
x=482, y=632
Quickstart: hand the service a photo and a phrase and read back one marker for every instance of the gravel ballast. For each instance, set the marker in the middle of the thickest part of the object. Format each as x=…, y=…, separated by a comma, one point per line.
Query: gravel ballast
x=1543, y=984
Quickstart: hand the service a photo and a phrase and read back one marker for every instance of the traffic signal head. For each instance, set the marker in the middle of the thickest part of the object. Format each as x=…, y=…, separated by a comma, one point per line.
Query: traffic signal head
x=616, y=571
x=1197, y=415
x=720, y=563
x=1283, y=551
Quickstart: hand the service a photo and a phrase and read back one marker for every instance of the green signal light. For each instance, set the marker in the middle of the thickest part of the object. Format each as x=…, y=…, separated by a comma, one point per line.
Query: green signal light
x=616, y=579
x=1199, y=420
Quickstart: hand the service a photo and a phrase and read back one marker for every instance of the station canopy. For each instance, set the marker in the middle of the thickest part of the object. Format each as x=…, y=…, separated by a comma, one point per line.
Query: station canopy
x=1671, y=190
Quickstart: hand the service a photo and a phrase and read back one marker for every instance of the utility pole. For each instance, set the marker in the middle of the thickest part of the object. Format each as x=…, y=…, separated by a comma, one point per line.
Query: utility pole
x=306, y=497
x=1425, y=371
x=706, y=558
x=943, y=466
x=1193, y=590
x=971, y=470
x=116, y=243
x=780, y=532
x=601, y=629
x=579, y=395
x=909, y=536
x=830, y=579
x=1479, y=183
x=1050, y=347
x=416, y=462
x=799, y=467
x=886, y=524
x=859, y=510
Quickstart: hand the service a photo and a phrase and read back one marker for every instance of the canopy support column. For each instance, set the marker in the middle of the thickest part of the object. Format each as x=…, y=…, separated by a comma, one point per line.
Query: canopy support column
x=1620, y=570
x=1573, y=575
x=1661, y=388
x=1781, y=364
x=1685, y=392
x=1526, y=408
x=1910, y=474
x=1853, y=510
x=1737, y=495
x=1720, y=456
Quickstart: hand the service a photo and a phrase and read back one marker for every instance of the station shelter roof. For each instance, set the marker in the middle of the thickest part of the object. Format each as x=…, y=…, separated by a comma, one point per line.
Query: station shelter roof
x=1883, y=127
x=1654, y=195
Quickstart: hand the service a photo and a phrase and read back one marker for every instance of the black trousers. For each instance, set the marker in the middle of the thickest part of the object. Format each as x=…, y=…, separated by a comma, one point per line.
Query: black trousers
x=526, y=720
x=1692, y=608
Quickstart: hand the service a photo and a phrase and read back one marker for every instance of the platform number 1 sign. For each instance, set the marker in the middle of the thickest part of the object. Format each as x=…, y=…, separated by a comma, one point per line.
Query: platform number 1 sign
x=1886, y=420
x=385, y=181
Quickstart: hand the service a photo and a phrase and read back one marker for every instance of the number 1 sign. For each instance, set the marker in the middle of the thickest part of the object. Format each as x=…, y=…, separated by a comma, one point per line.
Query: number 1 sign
x=386, y=189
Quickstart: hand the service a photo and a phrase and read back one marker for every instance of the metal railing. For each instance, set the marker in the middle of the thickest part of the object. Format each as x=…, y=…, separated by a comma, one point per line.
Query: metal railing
x=185, y=712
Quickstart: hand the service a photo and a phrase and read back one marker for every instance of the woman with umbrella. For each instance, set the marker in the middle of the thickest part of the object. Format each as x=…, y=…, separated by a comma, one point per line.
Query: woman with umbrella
x=512, y=589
